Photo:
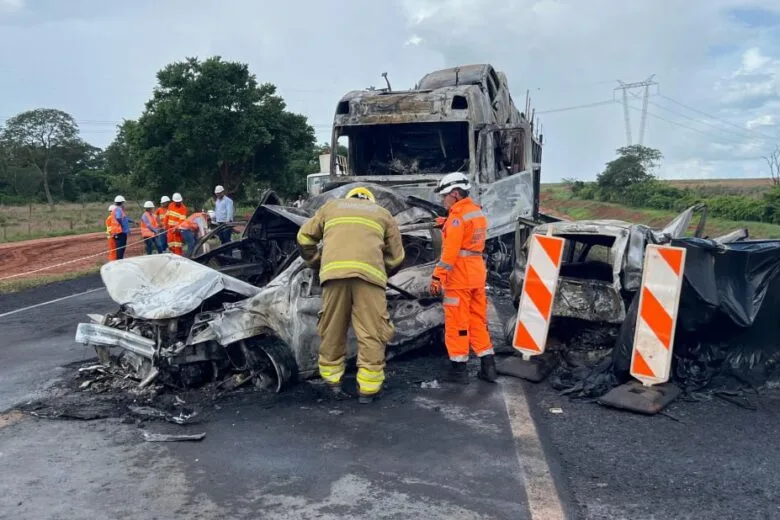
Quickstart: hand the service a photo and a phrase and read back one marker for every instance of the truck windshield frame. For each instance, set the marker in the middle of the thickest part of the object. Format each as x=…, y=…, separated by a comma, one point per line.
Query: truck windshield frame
x=402, y=149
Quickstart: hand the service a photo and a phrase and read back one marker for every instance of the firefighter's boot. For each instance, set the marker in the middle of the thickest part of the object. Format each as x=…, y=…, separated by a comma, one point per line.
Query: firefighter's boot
x=458, y=373
x=487, y=370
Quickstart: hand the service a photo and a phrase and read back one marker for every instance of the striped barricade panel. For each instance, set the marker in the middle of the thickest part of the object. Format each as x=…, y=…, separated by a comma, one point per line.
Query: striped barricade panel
x=651, y=357
x=536, y=301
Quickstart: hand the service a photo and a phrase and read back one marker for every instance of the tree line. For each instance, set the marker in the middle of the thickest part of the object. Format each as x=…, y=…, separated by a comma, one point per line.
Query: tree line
x=208, y=122
x=629, y=180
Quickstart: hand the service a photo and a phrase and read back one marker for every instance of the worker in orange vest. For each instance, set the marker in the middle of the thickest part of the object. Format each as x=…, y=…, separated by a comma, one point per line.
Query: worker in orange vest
x=194, y=228
x=177, y=213
x=113, y=228
x=124, y=226
x=461, y=274
x=150, y=229
x=162, y=217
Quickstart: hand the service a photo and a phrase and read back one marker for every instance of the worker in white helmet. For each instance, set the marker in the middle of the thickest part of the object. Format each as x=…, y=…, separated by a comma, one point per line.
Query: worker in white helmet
x=162, y=217
x=150, y=229
x=112, y=228
x=461, y=275
x=223, y=209
x=123, y=228
x=177, y=213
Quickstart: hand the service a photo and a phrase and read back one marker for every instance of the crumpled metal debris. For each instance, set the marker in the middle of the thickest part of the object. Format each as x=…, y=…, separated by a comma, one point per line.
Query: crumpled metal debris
x=167, y=437
x=230, y=330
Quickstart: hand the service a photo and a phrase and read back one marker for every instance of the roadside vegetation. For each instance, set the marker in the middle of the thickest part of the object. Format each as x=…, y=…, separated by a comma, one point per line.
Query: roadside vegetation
x=240, y=135
x=31, y=221
x=628, y=190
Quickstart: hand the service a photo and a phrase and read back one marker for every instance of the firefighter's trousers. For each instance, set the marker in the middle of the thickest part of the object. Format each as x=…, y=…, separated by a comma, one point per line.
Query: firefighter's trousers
x=465, y=323
x=365, y=305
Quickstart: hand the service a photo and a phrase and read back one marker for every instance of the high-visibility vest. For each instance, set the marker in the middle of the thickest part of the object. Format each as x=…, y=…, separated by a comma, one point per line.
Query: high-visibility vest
x=113, y=226
x=176, y=215
x=148, y=221
x=195, y=222
x=162, y=216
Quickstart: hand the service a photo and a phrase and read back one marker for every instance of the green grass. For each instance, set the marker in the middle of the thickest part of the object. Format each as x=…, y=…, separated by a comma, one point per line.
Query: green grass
x=18, y=223
x=558, y=198
x=40, y=221
x=22, y=284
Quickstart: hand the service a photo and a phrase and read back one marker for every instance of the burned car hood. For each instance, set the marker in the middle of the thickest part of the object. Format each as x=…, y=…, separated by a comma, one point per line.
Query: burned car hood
x=166, y=286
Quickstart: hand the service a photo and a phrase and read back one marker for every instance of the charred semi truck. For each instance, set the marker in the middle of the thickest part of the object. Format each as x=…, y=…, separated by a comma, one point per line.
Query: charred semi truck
x=461, y=119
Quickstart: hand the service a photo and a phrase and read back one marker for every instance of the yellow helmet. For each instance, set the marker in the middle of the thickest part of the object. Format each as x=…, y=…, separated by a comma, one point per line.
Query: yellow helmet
x=361, y=193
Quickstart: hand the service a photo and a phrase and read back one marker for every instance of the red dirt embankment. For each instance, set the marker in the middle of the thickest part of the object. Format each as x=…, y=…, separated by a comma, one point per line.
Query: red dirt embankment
x=59, y=255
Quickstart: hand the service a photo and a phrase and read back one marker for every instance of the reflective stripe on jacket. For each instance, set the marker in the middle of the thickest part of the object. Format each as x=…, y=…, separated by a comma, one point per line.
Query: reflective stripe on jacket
x=162, y=216
x=360, y=239
x=113, y=226
x=461, y=265
x=176, y=215
x=149, y=225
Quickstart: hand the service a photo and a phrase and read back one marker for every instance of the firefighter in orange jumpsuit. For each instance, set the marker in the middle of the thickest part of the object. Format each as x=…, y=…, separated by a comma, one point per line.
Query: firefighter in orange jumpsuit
x=113, y=227
x=461, y=275
x=177, y=213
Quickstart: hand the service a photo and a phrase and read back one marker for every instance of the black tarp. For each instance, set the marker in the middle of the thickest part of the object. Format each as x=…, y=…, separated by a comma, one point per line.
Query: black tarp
x=728, y=326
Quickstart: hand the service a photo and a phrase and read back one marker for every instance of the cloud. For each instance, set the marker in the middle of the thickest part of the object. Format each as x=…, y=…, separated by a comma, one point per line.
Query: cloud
x=11, y=6
x=414, y=40
x=97, y=60
x=762, y=120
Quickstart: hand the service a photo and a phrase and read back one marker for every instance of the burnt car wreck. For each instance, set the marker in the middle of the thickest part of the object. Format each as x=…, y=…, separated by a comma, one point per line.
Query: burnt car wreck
x=726, y=329
x=250, y=307
x=602, y=262
x=183, y=323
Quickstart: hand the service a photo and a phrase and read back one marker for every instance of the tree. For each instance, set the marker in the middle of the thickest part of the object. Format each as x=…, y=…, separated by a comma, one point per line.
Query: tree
x=633, y=167
x=210, y=123
x=773, y=161
x=35, y=138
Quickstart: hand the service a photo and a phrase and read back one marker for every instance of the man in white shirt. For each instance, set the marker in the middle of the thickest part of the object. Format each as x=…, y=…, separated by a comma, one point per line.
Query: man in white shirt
x=223, y=207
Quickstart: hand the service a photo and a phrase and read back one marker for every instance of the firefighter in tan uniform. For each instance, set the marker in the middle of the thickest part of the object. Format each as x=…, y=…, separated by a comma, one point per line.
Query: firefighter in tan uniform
x=361, y=247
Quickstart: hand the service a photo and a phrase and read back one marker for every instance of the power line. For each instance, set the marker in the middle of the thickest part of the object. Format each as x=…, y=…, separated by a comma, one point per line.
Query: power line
x=774, y=138
x=704, y=121
x=577, y=107
x=676, y=123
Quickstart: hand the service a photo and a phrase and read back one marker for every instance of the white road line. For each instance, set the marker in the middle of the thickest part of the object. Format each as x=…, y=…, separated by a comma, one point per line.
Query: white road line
x=543, y=500
x=9, y=313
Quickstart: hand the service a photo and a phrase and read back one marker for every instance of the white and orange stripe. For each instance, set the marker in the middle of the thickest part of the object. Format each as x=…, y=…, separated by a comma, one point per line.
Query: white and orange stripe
x=662, y=277
x=536, y=301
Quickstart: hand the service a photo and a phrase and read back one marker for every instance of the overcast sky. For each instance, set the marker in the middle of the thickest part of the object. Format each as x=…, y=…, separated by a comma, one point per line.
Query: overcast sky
x=714, y=112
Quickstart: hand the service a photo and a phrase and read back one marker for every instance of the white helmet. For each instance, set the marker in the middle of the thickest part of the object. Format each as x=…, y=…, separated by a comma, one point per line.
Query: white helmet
x=177, y=197
x=451, y=181
x=164, y=199
x=119, y=199
x=111, y=208
x=149, y=204
x=218, y=190
x=212, y=214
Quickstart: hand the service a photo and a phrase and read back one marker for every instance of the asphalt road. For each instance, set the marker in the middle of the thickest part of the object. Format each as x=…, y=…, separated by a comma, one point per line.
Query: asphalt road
x=483, y=452
x=426, y=453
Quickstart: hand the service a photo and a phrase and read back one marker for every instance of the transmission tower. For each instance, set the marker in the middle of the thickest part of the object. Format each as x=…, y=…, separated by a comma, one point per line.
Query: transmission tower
x=630, y=87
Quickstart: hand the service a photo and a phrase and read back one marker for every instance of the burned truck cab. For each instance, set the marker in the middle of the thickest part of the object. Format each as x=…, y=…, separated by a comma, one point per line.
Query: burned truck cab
x=461, y=119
